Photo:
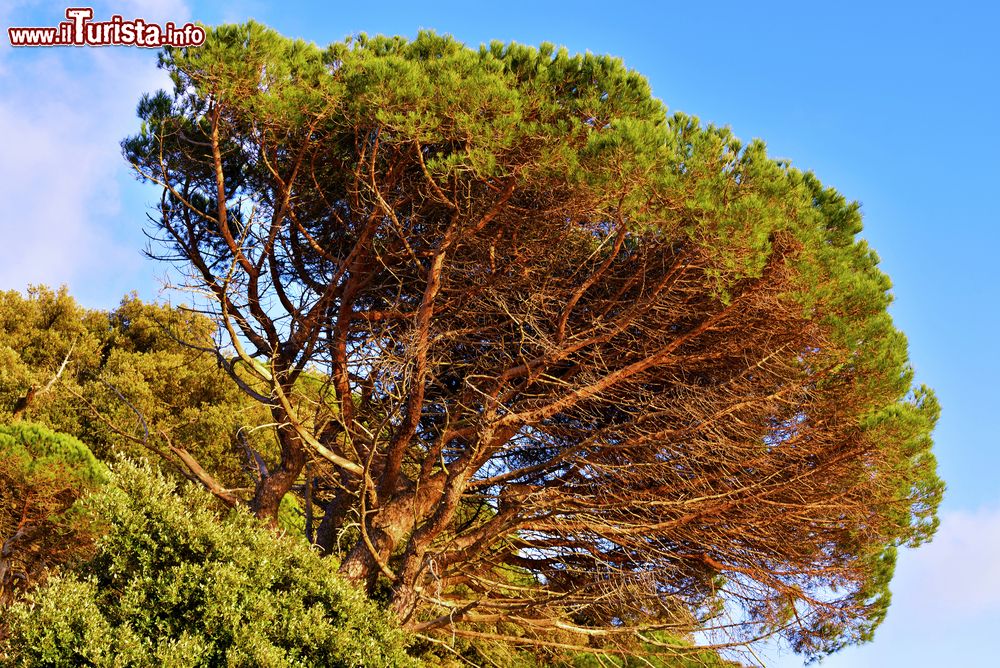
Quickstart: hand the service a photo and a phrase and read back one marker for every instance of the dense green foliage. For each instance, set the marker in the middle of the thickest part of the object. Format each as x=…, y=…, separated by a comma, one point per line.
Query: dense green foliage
x=128, y=381
x=174, y=584
x=39, y=451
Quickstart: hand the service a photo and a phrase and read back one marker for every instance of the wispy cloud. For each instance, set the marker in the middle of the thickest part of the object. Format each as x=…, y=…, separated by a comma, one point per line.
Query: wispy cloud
x=949, y=588
x=63, y=112
x=958, y=573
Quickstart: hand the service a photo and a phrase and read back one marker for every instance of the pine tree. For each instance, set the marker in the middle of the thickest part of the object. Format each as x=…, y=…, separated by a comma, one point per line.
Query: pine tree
x=581, y=369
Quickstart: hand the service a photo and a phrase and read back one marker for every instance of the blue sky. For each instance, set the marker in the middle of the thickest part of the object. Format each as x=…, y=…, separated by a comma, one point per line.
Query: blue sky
x=893, y=103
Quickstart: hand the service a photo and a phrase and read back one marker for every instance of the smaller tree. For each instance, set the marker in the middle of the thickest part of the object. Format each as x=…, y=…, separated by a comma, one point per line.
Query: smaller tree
x=42, y=474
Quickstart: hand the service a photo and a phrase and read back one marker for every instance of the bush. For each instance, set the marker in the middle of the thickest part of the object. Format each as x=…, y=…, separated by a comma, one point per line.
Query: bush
x=170, y=584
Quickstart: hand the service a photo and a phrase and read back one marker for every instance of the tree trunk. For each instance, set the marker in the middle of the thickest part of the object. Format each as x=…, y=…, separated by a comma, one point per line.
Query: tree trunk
x=334, y=513
x=360, y=567
x=404, y=601
x=272, y=488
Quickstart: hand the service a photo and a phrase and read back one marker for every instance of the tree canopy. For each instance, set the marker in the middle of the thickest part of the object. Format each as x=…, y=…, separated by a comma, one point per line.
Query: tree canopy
x=548, y=363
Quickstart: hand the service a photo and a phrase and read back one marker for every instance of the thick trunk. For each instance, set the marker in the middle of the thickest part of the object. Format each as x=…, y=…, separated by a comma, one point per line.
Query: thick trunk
x=334, y=513
x=326, y=533
x=411, y=569
x=389, y=527
x=272, y=488
x=404, y=601
x=360, y=567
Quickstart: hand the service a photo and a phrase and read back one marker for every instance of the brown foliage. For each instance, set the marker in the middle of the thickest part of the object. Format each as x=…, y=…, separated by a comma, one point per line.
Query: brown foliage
x=36, y=531
x=536, y=401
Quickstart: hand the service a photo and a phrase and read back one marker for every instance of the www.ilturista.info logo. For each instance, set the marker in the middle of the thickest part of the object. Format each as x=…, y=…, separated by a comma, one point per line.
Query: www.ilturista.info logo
x=79, y=30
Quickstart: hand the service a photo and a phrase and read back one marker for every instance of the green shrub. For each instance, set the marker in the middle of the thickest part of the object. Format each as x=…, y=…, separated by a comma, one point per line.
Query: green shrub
x=171, y=584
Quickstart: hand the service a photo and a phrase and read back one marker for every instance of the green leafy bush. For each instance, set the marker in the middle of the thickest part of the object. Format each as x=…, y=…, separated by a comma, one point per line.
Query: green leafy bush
x=171, y=584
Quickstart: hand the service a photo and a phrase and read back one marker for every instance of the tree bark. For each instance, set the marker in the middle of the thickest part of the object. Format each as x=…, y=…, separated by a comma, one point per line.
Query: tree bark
x=272, y=488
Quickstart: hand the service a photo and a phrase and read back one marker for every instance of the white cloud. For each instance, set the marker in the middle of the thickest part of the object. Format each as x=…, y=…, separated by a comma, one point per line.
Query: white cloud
x=7, y=11
x=946, y=600
x=958, y=573
x=63, y=112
